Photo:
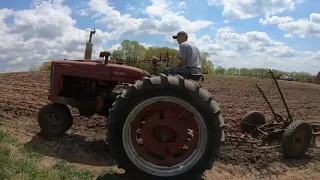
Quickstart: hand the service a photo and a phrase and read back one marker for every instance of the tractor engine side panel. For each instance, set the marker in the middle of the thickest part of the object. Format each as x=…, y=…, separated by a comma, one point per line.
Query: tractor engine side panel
x=79, y=88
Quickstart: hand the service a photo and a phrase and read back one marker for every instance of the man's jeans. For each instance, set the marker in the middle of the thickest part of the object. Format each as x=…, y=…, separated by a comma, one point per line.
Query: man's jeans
x=183, y=71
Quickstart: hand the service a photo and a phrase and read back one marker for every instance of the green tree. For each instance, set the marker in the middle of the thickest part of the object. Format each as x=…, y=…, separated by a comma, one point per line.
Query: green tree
x=118, y=55
x=207, y=65
x=130, y=51
x=244, y=72
x=45, y=66
x=232, y=71
x=220, y=70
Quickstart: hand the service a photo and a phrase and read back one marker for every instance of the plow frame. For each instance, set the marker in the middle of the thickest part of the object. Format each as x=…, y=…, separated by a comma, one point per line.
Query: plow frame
x=265, y=134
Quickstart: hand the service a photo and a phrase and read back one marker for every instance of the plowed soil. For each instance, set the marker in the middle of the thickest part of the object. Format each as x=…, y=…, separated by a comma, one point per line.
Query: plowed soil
x=23, y=94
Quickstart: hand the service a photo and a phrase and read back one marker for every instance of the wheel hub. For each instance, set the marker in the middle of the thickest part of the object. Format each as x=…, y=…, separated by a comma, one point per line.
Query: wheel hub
x=299, y=139
x=164, y=133
x=51, y=120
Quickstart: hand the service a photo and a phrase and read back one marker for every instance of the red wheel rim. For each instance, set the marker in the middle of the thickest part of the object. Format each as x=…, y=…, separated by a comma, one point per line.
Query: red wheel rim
x=164, y=133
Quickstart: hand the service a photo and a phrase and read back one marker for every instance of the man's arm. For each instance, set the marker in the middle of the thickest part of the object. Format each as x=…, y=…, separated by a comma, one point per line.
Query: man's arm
x=182, y=55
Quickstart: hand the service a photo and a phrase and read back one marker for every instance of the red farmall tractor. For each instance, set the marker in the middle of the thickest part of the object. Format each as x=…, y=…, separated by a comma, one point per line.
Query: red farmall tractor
x=159, y=126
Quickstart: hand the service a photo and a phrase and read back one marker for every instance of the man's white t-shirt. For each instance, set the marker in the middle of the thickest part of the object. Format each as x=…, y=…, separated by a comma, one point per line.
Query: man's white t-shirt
x=191, y=53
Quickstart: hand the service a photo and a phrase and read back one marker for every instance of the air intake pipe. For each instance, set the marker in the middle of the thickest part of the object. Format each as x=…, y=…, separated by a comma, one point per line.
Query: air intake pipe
x=105, y=56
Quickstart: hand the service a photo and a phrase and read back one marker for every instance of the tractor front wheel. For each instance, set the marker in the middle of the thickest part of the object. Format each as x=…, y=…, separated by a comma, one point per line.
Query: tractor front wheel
x=165, y=128
x=54, y=120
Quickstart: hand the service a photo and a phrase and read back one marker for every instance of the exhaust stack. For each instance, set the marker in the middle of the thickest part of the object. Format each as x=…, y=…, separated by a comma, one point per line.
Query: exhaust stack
x=88, y=51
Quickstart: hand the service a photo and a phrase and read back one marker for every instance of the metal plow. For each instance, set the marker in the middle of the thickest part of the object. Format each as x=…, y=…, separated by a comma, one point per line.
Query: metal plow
x=294, y=137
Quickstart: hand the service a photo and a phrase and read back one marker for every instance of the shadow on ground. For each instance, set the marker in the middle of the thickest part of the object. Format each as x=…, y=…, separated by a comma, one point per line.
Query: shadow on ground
x=115, y=176
x=263, y=158
x=311, y=156
x=120, y=177
x=74, y=149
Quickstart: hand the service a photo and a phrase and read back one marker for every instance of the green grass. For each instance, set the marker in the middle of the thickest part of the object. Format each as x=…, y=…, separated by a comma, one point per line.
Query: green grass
x=20, y=163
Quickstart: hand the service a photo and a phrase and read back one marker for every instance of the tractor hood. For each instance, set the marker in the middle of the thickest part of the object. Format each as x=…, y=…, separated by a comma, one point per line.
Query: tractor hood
x=99, y=70
x=127, y=71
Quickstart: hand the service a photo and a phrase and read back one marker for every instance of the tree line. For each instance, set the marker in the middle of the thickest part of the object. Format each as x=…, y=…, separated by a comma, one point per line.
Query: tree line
x=134, y=53
x=264, y=73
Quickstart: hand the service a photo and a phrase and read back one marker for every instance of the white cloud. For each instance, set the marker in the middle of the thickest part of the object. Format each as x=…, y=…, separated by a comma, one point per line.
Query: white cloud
x=301, y=27
x=48, y=31
x=42, y=33
x=168, y=22
x=146, y=45
x=4, y=13
x=236, y=9
x=115, y=47
x=182, y=4
x=253, y=42
x=16, y=60
x=313, y=56
x=256, y=49
x=276, y=20
x=288, y=35
x=83, y=12
x=131, y=8
x=206, y=44
x=158, y=8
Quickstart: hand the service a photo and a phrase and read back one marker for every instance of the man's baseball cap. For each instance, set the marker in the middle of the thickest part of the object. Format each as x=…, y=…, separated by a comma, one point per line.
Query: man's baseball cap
x=181, y=33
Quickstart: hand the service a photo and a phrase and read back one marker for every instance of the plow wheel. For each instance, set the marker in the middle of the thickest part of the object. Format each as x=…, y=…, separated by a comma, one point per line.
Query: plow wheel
x=252, y=120
x=296, y=139
x=165, y=128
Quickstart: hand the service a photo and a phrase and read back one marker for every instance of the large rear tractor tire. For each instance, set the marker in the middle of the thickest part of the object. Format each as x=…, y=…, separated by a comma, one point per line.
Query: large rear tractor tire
x=165, y=127
x=296, y=140
x=54, y=120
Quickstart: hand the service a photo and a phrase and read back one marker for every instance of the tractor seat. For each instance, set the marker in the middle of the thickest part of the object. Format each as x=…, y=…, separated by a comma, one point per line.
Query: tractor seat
x=197, y=77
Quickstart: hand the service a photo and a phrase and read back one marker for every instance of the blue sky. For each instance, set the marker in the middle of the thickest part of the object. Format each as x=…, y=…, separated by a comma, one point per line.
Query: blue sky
x=284, y=34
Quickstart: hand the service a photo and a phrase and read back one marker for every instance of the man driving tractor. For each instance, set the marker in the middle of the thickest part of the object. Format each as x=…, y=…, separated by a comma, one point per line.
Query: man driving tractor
x=189, y=54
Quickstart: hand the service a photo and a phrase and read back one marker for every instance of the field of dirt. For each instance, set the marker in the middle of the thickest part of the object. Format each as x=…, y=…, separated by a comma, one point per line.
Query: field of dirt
x=23, y=94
